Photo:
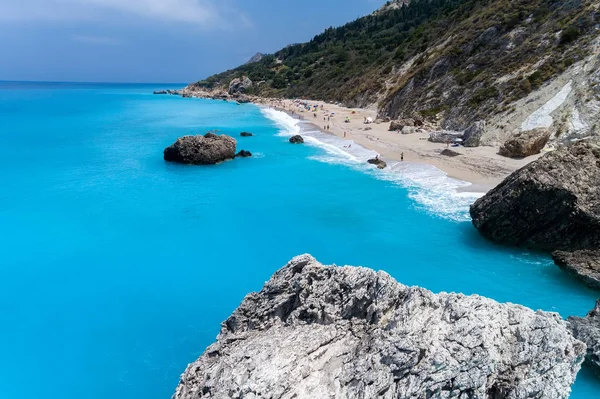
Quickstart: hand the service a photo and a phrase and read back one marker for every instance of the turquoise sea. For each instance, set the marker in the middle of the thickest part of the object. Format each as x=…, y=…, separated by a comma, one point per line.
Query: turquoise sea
x=117, y=268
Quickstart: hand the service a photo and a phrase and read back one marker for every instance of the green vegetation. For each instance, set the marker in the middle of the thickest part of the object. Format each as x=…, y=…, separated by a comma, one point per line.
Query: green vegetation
x=458, y=51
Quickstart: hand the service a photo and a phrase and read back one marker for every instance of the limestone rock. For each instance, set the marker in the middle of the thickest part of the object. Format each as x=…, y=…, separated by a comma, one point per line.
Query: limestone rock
x=296, y=139
x=160, y=92
x=240, y=85
x=588, y=330
x=201, y=150
x=380, y=163
x=243, y=154
x=246, y=134
x=585, y=265
x=552, y=204
x=348, y=332
x=409, y=130
x=472, y=136
x=525, y=144
x=401, y=123
x=444, y=136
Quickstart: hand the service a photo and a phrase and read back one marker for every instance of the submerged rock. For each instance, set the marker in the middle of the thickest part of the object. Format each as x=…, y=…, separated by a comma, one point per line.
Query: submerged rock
x=201, y=150
x=525, y=144
x=587, y=329
x=348, y=332
x=246, y=134
x=472, y=136
x=243, y=154
x=296, y=139
x=552, y=204
x=380, y=163
x=585, y=265
x=160, y=92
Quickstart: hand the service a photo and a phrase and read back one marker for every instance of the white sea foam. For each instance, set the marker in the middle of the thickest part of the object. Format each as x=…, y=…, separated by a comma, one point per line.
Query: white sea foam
x=430, y=188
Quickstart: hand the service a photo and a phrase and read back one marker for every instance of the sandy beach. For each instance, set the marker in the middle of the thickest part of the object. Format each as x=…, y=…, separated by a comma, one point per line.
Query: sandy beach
x=481, y=166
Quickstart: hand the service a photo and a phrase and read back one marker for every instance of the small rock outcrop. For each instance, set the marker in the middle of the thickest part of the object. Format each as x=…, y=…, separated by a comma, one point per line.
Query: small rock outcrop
x=472, y=136
x=317, y=331
x=380, y=163
x=243, y=154
x=296, y=139
x=160, y=92
x=450, y=153
x=587, y=329
x=246, y=134
x=201, y=150
x=551, y=204
x=583, y=264
x=240, y=85
x=525, y=144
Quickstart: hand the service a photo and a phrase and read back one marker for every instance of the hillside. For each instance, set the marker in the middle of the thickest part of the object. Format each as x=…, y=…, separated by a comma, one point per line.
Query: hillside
x=452, y=61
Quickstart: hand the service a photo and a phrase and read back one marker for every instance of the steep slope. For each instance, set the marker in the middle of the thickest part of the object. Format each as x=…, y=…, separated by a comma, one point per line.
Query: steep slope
x=453, y=61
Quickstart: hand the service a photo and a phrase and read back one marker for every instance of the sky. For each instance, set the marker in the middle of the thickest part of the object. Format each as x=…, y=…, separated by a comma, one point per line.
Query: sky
x=154, y=40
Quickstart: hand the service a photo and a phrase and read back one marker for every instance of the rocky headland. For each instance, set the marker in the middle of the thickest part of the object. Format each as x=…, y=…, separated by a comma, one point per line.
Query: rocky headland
x=201, y=150
x=317, y=331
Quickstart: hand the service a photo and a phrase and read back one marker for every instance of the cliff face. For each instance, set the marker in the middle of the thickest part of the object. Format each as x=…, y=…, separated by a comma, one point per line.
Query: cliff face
x=345, y=332
x=519, y=65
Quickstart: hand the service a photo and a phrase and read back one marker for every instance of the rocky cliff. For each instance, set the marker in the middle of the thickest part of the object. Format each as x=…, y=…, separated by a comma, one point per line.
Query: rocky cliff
x=346, y=332
x=517, y=65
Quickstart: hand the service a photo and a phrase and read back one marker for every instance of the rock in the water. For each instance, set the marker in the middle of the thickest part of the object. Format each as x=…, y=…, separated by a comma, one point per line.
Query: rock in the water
x=296, y=139
x=444, y=136
x=588, y=330
x=472, y=136
x=240, y=85
x=552, y=204
x=525, y=144
x=450, y=153
x=585, y=265
x=380, y=163
x=160, y=92
x=349, y=332
x=201, y=150
x=243, y=154
x=246, y=134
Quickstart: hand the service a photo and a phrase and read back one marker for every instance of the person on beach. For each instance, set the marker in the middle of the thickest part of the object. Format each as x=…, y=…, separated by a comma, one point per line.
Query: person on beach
x=327, y=127
x=402, y=157
x=344, y=134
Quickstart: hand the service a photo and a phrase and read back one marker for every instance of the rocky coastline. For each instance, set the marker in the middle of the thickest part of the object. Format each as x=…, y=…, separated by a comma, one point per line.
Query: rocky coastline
x=317, y=331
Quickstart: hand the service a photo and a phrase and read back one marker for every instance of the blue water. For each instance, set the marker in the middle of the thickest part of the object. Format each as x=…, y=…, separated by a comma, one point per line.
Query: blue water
x=117, y=268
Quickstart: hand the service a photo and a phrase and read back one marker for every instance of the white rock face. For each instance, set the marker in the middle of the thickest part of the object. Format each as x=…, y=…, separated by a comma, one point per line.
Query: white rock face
x=345, y=332
x=541, y=118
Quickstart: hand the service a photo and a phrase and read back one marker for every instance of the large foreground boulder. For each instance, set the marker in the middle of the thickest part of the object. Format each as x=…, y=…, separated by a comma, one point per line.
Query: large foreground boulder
x=588, y=330
x=525, y=144
x=551, y=204
x=585, y=265
x=315, y=331
x=201, y=150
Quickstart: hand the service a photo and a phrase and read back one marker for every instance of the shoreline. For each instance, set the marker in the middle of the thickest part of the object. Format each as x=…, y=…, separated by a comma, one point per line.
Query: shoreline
x=481, y=166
